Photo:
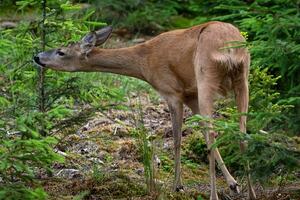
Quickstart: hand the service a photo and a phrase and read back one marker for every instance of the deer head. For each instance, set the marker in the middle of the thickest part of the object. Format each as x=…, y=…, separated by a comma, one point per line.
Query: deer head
x=74, y=56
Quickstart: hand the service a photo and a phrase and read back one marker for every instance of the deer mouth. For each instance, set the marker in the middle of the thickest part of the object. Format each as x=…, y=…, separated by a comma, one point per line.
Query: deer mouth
x=37, y=61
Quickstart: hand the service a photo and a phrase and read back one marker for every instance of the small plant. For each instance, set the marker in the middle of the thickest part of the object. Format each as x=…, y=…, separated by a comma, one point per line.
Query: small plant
x=166, y=163
x=98, y=175
x=82, y=195
x=145, y=143
x=197, y=149
x=20, y=159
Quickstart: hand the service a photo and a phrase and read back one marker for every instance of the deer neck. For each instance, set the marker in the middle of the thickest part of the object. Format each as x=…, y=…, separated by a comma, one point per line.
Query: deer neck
x=125, y=61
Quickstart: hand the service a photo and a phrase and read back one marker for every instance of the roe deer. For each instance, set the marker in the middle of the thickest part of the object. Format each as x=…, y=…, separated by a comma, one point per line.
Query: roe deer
x=186, y=66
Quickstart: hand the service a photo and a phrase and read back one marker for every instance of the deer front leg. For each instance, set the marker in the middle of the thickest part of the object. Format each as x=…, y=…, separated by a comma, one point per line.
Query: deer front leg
x=176, y=110
x=242, y=99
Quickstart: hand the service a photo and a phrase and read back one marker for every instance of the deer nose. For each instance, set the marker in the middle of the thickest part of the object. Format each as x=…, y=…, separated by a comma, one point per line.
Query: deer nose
x=37, y=61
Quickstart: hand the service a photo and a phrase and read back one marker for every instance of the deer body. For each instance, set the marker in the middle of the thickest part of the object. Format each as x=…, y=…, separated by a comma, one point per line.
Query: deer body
x=188, y=66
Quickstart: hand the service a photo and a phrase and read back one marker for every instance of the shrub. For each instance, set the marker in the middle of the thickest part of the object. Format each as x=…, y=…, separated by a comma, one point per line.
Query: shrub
x=23, y=152
x=272, y=153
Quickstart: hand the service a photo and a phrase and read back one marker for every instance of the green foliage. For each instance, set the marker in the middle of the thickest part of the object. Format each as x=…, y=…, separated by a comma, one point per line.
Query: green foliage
x=20, y=156
x=272, y=153
x=135, y=15
x=98, y=175
x=264, y=111
x=197, y=149
x=23, y=151
x=146, y=150
x=18, y=192
x=273, y=28
x=82, y=195
x=166, y=163
x=19, y=160
x=64, y=92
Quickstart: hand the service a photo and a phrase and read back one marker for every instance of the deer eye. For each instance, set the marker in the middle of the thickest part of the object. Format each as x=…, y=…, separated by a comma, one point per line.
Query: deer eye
x=60, y=53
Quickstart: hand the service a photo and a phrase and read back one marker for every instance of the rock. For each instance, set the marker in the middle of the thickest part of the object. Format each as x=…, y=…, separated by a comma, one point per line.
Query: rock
x=138, y=40
x=94, y=123
x=60, y=152
x=13, y=133
x=168, y=145
x=157, y=161
x=8, y=25
x=69, y=173
x=96, y=160
x=140, y=171
x=114, y=166
x=88, y=148
x=84, y=151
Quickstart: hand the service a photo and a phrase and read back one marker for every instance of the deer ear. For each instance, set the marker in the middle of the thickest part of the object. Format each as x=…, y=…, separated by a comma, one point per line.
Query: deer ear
x=88, y=42
x=102, y=35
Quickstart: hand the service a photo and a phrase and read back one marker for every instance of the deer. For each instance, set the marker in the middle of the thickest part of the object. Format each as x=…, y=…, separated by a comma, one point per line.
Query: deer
x=189, y=67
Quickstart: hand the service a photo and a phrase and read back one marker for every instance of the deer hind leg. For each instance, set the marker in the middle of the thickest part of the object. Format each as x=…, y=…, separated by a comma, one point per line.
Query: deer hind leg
x=206, y=91
x=176, y=111
x=232, y=183
x=242, y=99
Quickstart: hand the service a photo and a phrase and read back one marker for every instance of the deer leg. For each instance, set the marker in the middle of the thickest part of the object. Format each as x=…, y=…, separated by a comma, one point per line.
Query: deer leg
x=232, y=183
x=242, y=99
x=176, y=110
x=205, y=99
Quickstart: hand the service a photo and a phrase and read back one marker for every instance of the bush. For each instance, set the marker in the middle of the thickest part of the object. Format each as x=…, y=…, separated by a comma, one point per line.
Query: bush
x=138, y=16
x=273, y=29
x=272, y=153
x=23, y=152
x=197, y=149
x=19, y=160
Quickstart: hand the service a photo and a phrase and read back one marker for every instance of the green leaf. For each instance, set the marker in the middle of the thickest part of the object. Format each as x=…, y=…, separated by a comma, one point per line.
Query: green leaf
x=69, y=7
x=93, y=23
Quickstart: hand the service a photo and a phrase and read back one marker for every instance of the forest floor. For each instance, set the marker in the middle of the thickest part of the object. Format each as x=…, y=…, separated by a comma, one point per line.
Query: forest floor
x=103, y=160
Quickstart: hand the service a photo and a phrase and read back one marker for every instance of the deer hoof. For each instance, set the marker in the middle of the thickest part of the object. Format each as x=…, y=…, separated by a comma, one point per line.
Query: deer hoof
x=179, y=188
x=234, y=188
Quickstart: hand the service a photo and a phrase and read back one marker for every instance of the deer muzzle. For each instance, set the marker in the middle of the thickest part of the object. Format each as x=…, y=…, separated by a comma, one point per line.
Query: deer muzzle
x=37, y=61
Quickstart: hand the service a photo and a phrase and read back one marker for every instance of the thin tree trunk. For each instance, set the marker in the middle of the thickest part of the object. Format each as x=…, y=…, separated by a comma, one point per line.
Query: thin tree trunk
x=41, y=71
